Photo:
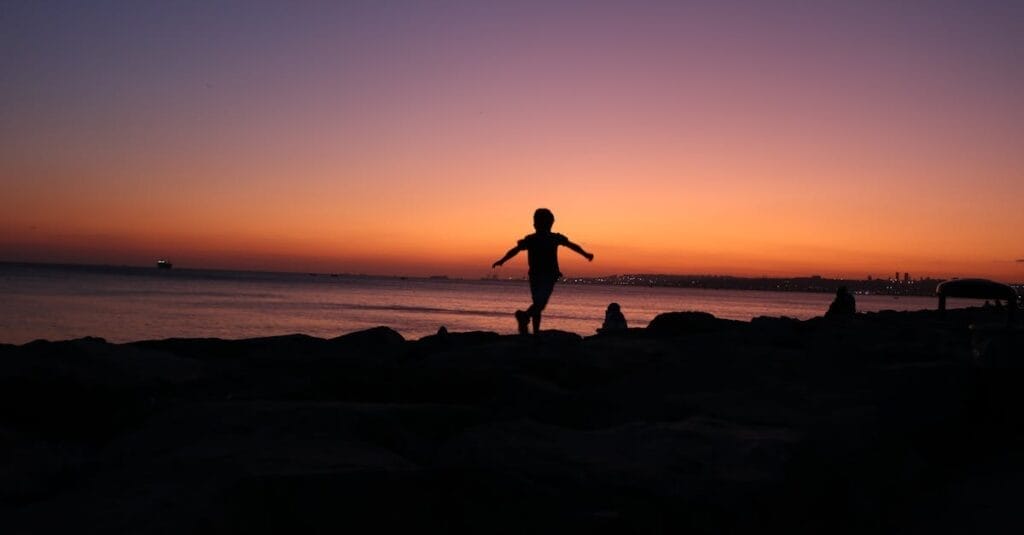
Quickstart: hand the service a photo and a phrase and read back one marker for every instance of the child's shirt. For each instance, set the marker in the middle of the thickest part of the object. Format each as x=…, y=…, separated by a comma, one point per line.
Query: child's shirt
x=542, y=254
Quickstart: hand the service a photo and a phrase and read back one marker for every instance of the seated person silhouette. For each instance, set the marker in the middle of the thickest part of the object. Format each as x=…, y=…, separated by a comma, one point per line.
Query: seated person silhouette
x=542, y=256
x=613, y=319
x=843, y=305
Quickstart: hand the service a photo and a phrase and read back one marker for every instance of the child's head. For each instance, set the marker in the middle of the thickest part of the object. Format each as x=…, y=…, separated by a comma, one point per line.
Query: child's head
x=613, y=307
x=543, y=219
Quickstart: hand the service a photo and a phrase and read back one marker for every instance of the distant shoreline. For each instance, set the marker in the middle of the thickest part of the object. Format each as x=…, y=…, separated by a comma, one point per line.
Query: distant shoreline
x=801, y=284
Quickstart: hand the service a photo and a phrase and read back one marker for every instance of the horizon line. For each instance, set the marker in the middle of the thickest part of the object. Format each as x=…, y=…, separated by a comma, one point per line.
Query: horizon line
x=461, y=278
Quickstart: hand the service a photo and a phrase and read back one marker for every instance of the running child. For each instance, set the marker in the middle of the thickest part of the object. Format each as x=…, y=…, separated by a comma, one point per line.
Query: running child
x=542, y=256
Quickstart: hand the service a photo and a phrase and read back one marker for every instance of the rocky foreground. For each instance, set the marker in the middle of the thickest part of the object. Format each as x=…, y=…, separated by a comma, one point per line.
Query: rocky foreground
x=877, y=423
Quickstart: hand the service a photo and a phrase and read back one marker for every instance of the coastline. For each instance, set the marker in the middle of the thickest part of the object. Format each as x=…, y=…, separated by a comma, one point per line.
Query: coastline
x=880, y=422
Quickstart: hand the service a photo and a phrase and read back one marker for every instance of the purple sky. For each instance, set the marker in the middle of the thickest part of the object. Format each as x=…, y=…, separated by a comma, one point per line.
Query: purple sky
x=732, y=136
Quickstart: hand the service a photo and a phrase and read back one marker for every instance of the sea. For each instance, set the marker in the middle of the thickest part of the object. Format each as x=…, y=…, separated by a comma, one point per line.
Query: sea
x=123, y=304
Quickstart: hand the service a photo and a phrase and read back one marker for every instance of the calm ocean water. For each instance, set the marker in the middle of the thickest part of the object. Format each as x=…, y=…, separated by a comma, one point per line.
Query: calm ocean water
x=127, y=304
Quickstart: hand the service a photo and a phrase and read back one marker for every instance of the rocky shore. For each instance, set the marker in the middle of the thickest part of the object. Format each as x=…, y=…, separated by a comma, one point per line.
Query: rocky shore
x=879, y=423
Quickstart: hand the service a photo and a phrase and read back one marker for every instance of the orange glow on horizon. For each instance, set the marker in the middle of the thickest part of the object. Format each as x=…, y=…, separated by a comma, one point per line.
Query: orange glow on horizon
x=411, y=141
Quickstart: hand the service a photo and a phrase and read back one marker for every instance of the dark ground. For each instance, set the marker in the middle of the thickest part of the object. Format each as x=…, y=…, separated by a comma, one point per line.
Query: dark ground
x=881, y=423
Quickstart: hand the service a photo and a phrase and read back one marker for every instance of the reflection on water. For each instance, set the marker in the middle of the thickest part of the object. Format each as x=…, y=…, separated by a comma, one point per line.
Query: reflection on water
x=125, y=304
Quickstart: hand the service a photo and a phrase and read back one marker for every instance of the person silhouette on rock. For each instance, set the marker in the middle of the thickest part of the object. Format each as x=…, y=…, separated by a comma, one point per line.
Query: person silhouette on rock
x=542, y=256
x=844, y=304
x=614, y=320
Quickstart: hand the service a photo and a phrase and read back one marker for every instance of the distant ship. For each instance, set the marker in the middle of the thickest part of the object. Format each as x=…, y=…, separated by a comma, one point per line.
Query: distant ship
x=164, y=264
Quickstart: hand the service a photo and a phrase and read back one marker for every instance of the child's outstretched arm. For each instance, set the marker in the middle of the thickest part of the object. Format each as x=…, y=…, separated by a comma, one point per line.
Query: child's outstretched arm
x=511, y=252
x=578, y=249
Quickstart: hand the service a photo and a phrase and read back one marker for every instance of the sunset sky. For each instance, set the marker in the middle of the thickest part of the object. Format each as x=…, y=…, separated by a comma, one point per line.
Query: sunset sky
x=749, y=138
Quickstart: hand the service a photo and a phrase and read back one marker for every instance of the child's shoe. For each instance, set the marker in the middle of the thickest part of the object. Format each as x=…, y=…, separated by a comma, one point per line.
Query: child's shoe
x=524, y=321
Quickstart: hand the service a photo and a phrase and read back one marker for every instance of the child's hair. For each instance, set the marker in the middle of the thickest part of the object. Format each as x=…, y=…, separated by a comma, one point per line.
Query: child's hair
x=543, y=219
x=613, y=307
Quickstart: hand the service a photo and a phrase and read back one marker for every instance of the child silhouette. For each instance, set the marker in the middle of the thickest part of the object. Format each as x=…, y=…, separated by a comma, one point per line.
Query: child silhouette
x=542, y=256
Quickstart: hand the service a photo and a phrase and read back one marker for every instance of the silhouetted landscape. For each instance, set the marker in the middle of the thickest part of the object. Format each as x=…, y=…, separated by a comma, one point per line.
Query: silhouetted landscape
x=880, y=422
x=261, y=264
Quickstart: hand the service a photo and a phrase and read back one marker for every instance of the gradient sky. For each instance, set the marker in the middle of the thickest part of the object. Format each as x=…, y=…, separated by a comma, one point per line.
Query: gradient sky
x=747, y=138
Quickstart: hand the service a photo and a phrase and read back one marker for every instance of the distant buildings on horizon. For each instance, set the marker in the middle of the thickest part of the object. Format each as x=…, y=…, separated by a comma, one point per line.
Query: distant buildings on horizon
x=897, y=285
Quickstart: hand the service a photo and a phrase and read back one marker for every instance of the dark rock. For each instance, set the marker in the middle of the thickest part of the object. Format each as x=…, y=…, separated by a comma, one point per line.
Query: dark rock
x=554, y=336
x=695, y=424
x=370, y=338
x=680, y=323
x=448, y=340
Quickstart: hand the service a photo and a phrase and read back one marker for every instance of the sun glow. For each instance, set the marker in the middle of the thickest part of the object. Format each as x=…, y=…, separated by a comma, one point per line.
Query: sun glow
x=413, y=141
